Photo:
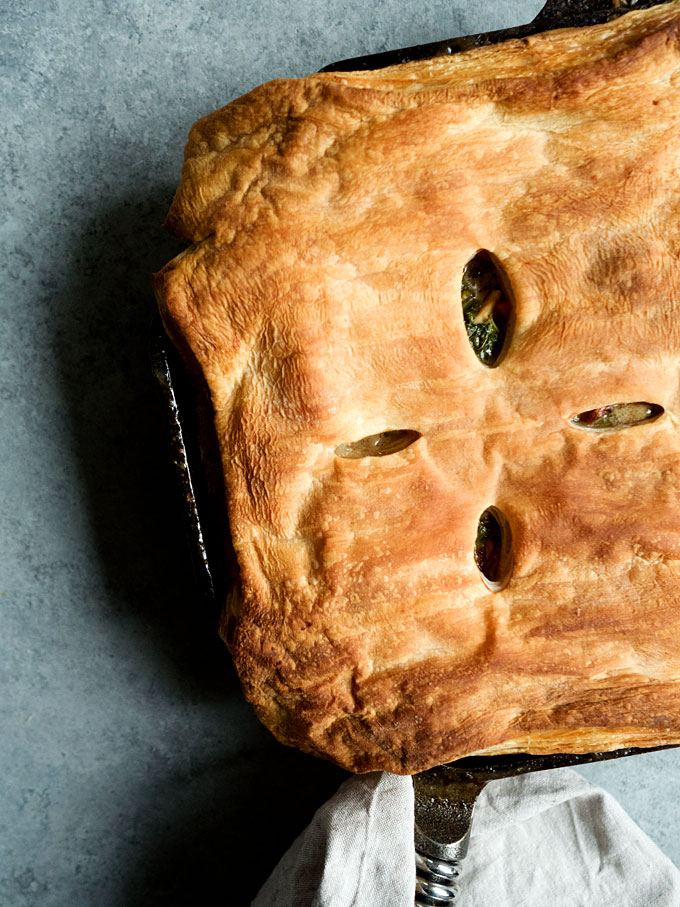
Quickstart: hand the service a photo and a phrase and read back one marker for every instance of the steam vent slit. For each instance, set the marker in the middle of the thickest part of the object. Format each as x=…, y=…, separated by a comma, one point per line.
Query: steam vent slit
x=380, y=445
x=616, y=416
x=493, y=549
x=488, y=307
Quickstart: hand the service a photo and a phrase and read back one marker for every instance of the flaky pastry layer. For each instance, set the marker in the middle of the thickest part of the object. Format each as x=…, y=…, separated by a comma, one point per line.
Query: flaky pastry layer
x=330, y=220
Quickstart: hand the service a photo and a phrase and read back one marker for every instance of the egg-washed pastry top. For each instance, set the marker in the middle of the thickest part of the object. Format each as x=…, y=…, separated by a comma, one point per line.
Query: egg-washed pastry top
x=437, y=311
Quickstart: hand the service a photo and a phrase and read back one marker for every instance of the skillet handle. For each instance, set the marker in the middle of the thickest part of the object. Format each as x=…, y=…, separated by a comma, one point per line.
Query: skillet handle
x=444, y=803
x=436, y=881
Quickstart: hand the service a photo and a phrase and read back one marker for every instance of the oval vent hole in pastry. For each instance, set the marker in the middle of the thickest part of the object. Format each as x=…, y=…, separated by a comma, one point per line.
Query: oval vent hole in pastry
x=380, y=445
x=616, y=416
x=493, y=549
x=487, y=307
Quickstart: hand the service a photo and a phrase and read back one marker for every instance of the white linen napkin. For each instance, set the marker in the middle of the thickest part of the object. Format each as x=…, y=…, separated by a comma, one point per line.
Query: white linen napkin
x=549, y=839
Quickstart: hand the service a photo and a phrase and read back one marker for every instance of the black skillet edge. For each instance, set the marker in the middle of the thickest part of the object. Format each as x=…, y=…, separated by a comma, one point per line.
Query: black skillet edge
x=555, y=14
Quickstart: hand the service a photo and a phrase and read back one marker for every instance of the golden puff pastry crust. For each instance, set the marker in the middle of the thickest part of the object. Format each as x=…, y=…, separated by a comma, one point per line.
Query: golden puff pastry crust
x=330, y=220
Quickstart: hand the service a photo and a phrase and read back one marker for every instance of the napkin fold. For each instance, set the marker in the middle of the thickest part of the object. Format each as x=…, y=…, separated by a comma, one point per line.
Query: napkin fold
x=548, y=839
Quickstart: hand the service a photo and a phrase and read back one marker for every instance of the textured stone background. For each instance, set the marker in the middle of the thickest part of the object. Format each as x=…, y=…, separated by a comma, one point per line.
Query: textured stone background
x=131, y=770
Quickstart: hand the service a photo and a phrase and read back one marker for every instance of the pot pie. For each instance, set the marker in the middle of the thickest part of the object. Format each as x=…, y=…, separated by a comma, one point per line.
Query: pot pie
x=436, y=308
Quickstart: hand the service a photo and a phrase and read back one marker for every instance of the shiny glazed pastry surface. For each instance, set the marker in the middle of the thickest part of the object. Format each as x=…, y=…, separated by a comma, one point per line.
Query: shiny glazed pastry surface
x=331, y=220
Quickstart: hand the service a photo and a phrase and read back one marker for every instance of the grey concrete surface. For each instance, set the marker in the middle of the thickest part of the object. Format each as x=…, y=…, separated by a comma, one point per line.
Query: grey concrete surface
x=131, y=770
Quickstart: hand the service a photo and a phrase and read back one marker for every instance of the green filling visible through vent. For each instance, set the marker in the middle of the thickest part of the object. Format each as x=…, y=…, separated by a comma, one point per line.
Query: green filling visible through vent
x=493, y=549
x=487, y=307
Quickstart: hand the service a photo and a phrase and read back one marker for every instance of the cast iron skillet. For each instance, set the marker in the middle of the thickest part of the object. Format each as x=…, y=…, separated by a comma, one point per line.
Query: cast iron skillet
x=199, y=474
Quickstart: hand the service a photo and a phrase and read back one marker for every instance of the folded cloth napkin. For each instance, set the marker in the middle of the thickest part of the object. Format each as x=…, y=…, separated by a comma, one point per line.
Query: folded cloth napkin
x=549, y=839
